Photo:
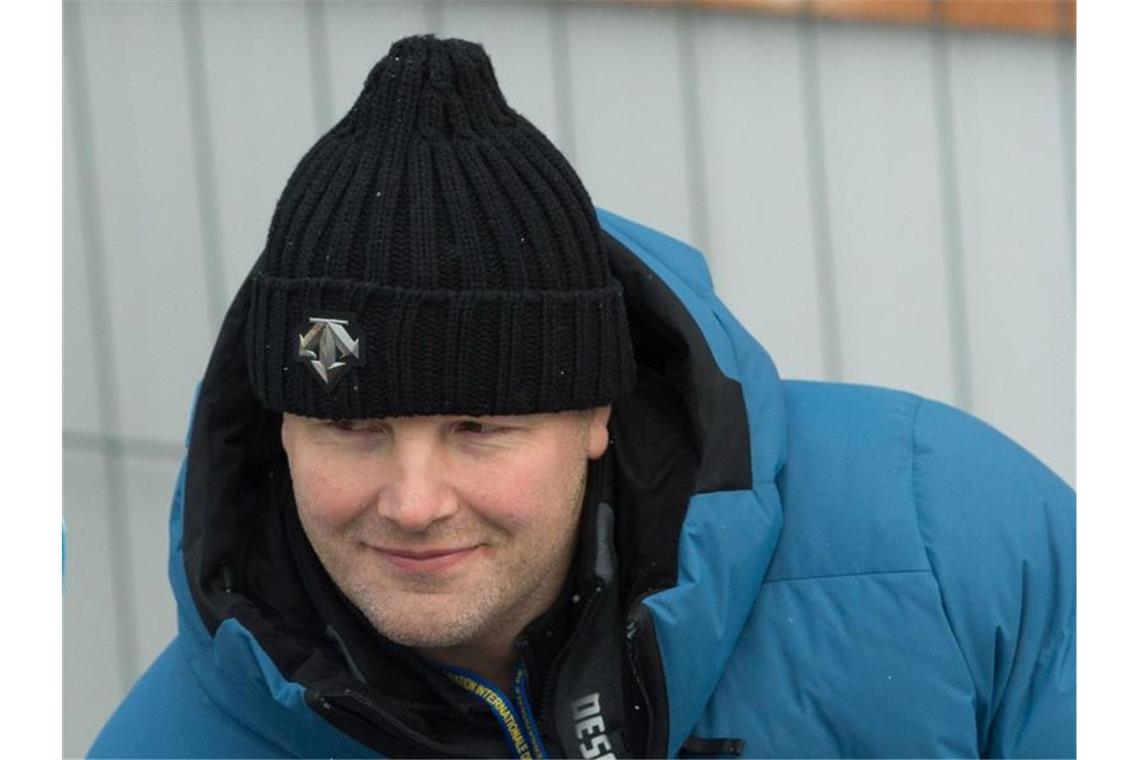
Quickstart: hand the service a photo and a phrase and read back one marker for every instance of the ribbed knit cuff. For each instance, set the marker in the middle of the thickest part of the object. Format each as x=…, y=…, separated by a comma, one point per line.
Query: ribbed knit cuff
x=477, y=352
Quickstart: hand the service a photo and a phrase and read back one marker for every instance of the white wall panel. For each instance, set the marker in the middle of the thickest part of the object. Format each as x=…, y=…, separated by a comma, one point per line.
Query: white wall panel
x=1017, y=240
x=616, y=102
x=1066, y=61
x=80, y=399
x=883, y=193
x=360, y=34
x=262, y=117
x=517, y=37
x=150, y=487
x=630, y=147
x=144, y=157
x=761, y=249
x=93, y=679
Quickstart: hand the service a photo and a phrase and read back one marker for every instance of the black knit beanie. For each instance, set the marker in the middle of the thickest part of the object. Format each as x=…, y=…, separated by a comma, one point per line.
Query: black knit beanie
x=434, y=253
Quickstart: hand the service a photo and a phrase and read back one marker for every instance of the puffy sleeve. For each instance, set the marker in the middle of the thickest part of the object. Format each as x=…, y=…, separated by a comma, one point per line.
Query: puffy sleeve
x=999, y=531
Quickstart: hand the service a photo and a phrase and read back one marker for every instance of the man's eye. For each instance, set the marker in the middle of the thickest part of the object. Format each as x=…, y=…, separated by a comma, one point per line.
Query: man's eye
x=477, y=428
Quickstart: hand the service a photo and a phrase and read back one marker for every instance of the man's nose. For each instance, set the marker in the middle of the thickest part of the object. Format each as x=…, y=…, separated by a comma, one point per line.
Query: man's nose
x=417, y=493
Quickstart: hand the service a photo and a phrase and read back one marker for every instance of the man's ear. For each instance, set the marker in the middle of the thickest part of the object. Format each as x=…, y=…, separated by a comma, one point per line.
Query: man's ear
x=287, y=430
x=598, y=432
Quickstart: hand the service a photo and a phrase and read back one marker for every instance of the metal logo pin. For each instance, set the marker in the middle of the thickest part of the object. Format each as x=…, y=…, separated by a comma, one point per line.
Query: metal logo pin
x=328, y=348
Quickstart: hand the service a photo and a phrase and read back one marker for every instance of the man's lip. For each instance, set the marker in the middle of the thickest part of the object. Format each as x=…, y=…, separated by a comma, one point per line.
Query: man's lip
x=423, y=554
x=430, y=561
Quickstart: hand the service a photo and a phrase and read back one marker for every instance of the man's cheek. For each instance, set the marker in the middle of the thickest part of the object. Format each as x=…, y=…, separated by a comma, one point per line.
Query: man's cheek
x=325, y=501
x=515, y=502
x=500, y=494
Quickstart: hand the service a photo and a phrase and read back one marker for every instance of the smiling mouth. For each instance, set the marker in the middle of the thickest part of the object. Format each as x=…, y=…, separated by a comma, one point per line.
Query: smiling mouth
x=425, y=554
x=432, y=561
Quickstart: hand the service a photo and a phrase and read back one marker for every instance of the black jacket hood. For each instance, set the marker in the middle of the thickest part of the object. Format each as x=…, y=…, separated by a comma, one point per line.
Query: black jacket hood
x=246, y=559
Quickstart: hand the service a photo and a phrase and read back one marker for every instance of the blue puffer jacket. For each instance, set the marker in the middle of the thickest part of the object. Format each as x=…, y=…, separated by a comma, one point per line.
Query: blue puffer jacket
x=803, y=570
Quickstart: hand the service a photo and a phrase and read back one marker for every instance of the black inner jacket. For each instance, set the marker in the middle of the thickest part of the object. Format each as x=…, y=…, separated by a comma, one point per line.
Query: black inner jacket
x=247, y=558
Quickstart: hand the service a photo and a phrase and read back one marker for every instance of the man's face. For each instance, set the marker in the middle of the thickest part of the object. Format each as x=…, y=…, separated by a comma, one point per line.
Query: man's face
x=445, y=530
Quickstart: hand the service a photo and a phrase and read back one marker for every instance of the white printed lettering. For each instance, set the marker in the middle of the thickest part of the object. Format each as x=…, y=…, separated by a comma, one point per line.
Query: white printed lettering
x=588, y=721
x=594, y=725
x=595, y=748
x=586, y=706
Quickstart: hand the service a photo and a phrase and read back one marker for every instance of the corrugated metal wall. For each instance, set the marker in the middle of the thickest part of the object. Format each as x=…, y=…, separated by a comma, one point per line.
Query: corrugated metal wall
x=879, y=205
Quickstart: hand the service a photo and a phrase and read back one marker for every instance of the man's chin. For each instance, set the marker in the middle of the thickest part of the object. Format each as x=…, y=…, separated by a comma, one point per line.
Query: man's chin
x=415, y=639
x=428, y=626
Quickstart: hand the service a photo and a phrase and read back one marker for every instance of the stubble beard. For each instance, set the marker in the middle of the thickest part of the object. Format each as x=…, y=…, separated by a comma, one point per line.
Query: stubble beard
x=430, y=618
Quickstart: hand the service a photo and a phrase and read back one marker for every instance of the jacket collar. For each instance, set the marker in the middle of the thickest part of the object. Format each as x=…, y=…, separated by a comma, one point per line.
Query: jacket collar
x=730, y=520
x=695, y=519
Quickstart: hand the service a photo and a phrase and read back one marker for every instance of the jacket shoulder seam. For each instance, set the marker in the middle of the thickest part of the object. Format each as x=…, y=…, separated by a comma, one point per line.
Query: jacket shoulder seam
x=916, y=500
x=830, y=576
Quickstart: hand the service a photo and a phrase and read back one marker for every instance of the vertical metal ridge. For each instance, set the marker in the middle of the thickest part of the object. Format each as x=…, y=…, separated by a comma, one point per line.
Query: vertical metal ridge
x=1066, y=88
x=953, y=254
x=204, y=160
x=563, y=86
x=106, y=381
x=697, y=185
x=320, y=67
x=433, y=17
x=831, y=335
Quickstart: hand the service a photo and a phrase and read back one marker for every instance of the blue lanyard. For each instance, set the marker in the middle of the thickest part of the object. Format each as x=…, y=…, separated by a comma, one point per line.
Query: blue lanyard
x=514, y=715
